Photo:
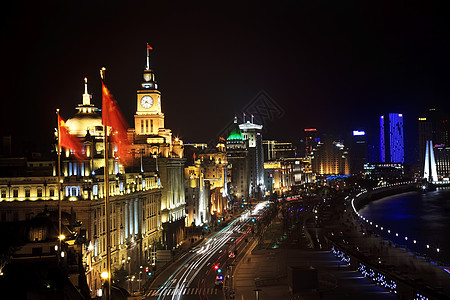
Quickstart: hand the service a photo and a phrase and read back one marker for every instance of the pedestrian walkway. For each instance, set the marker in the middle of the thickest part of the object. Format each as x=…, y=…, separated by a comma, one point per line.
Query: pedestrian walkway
x=266, y=272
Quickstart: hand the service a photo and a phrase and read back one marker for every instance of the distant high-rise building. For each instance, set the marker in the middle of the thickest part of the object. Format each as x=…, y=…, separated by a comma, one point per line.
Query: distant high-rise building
x=252, y=133
x=237, y=159
x=311, y=140
x=358, y=151
x=330, y=157
x=274, y=150
x=433, y=126
x=391, y=138
x=442, y=158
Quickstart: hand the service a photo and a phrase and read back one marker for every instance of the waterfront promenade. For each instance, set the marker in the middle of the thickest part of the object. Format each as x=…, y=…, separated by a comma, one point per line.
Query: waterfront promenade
x=412, y=276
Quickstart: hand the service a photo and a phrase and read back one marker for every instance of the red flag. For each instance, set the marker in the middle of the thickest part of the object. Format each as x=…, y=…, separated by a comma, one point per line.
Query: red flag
x=112, y=117
x=67, y=140
x=149, y=48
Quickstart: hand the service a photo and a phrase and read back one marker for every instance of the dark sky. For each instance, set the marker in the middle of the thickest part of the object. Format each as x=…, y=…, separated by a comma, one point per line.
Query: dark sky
x=333, y=65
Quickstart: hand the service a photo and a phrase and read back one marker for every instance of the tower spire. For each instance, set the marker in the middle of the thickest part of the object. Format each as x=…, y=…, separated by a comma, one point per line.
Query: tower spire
x=86, y=96
x=149, y=76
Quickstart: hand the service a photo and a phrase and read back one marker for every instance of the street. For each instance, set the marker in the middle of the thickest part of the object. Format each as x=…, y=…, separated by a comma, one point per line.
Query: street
x=204, y=273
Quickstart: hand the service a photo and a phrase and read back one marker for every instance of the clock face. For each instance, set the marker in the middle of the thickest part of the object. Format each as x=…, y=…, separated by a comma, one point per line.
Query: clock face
x=146, y=102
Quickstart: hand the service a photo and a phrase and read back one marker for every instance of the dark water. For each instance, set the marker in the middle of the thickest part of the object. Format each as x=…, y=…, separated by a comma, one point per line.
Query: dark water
x=424, y=217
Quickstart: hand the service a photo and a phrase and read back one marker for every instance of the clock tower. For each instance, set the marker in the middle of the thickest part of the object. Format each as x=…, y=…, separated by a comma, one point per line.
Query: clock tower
x=148, y=119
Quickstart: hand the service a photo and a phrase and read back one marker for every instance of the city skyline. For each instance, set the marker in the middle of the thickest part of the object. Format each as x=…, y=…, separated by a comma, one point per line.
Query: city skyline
x=312, y=61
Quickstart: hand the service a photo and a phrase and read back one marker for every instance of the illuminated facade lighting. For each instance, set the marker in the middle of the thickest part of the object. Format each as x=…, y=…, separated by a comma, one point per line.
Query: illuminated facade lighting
x=391, y=138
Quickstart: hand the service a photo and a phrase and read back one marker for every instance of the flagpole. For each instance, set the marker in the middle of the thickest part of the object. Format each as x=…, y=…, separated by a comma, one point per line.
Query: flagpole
x=107, y=208
x=59, y=186
x=148, y=58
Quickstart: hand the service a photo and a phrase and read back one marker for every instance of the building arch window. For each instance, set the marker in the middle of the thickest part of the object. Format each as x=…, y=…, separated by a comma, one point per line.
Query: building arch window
x=73, y=191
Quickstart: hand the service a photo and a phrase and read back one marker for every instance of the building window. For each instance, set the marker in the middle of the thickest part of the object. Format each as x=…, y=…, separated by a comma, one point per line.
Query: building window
x=73, y=191
x=15, y=193
x=3, y=193
x=39, y=192
x=52, y=193
x=27, y=192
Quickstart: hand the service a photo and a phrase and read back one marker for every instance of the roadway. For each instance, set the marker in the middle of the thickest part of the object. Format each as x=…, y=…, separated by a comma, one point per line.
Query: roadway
x=194, y=275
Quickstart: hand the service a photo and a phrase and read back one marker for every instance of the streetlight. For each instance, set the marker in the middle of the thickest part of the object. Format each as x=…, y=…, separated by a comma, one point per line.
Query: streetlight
x=129, y=273
x=104, y=275
x=140, y=272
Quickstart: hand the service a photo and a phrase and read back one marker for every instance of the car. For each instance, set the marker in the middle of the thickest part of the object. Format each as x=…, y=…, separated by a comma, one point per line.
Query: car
x=219, y=281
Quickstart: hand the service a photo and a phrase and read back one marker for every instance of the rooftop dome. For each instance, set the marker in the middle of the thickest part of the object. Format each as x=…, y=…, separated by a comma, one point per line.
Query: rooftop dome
x=236, y=133
x=87, y=118
x=83, y=122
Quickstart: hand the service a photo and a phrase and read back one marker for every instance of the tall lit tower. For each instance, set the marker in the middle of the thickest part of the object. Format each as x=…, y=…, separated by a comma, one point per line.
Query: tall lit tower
x=149, y=118
x=252, y=133
x=429, y=170
x=392, y=148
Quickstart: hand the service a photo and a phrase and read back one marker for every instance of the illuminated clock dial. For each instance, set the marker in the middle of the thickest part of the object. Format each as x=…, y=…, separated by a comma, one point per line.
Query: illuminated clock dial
x=146, y=102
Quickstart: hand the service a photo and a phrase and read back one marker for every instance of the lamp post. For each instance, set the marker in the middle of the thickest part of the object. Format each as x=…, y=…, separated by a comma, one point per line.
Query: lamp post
x=140, y=277
x=129, y=273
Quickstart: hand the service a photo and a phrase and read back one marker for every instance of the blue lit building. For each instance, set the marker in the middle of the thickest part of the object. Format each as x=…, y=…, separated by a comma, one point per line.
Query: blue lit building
x=392, y=149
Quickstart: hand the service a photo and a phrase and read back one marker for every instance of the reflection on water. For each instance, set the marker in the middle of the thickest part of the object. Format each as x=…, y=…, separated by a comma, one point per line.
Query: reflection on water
x=424, y=217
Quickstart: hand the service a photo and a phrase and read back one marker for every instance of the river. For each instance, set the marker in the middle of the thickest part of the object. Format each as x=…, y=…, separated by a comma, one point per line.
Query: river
x=419, y=219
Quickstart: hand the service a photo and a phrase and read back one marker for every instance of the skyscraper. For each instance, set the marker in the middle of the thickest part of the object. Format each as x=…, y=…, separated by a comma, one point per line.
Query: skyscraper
x=358, y=151
x=433, y=126
x=330, y=157
x=392, y=148
x=252, y=133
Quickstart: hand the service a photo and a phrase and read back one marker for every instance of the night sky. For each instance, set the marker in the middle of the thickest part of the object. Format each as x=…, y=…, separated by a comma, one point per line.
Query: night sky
x=332, y=65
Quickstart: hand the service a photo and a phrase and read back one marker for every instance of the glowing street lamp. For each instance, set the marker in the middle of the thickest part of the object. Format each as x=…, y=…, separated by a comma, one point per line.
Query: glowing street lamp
x=104, y=275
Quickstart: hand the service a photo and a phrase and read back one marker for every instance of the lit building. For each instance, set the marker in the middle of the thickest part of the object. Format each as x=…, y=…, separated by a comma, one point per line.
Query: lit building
x=442, y=158
x=206, y=184
x=237, y=152
x=281, y=175
x=197, y=194
x=154, y=145
x=391, y=138
x=147, y=199
x=433, y=126
x=384, y=171
x=358, y=151
x=330, y=158
x=274, y=150
x=311, y=140
x=135, y=199
x=213, y=162
x=252, y=134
